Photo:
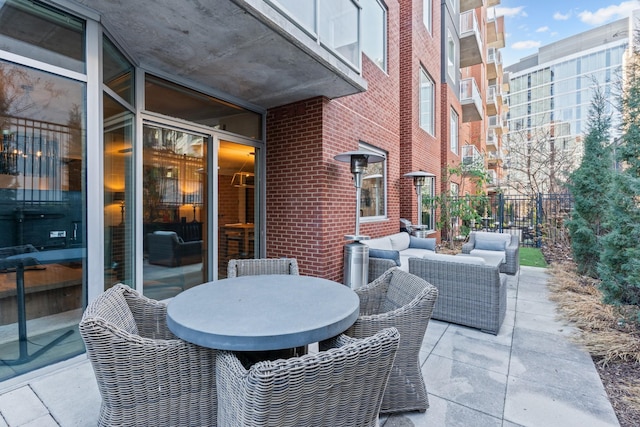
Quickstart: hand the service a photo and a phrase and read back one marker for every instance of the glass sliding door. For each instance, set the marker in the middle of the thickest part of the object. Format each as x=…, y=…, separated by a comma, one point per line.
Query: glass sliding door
x=175, y=203
x=237, y=211
x=42, y=217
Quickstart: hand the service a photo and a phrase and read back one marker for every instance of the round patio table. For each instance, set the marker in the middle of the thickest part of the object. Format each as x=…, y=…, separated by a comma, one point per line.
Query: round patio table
x=263, y=312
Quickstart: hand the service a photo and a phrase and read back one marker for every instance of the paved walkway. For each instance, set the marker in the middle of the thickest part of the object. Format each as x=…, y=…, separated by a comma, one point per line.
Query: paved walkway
x=528, y=375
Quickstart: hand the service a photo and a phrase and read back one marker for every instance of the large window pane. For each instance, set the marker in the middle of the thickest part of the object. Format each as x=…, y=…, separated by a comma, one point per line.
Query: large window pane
x=373, y=195
x=236, y=203
x=42, y=215
x=339, y=28
x=119, y=125
x=374, y=31
x=453, y=142
x=426, y=14
x=427, y=102
x=37, y=31
x=174, y=100
x=118, y=72
x=174, y=210
x=301, y=11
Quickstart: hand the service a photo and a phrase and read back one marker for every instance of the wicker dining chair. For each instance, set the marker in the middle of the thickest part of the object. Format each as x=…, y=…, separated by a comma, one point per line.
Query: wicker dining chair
x=252, y=267
x=342, y=385
x=146, y=375
x=404, y=301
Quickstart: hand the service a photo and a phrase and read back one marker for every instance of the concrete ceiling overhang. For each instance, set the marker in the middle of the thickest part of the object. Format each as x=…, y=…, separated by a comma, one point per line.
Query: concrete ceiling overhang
x=241, y=48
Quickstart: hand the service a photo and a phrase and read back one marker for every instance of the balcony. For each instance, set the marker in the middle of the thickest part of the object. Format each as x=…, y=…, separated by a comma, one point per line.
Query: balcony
x=492, y=140
x=208, y=45
x=495, y=30
x=491, y=3
x=494, y=100
x=494, y=158
x=494, y=63
x=466, y=5
x=496, y=123
x=470, y=100
x=471, y=157
x=470, y=40
x=492, y=178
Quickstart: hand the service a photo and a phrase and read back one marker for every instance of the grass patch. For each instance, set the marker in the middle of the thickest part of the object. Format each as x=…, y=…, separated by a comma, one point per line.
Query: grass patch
x=532, y=257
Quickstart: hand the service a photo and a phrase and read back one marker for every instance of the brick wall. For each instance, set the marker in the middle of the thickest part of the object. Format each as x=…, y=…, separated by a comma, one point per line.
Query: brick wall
x=419, y=50
x=310, y=196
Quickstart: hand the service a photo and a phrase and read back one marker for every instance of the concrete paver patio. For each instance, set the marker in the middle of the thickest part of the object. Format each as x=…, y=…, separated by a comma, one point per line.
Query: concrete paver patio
x=530, y=374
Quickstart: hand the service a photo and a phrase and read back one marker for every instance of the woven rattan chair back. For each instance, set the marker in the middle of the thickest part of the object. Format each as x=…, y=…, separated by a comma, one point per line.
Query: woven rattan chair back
x=340, y=386
x=404, y=301
x=146, y=376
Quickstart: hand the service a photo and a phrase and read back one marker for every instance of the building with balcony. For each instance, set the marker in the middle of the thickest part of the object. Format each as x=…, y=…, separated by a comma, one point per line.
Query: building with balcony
x=478, y=35
x=150, y=151
x=549, y=99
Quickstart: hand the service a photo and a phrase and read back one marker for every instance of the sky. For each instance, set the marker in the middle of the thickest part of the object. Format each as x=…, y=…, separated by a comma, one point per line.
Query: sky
x=530, y=24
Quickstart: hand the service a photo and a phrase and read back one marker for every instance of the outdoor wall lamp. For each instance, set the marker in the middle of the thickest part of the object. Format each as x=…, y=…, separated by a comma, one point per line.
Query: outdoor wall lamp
x=419, y=181
x=359, y=161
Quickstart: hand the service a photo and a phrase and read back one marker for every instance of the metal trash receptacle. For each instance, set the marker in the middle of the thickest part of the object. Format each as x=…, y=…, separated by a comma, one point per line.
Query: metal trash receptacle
x=356, y=265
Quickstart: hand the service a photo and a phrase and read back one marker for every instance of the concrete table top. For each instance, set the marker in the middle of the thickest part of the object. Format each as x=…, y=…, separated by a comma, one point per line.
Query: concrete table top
x=265, y=312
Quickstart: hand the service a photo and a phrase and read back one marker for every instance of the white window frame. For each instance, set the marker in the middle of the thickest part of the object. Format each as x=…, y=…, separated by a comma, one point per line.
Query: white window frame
x=427, y=106
x=427, y=18
x=454, y=132
x=373, y=32
x=380, y=167
x=451, y=55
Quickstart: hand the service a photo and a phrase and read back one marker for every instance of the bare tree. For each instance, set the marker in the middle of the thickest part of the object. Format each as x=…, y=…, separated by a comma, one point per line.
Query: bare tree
x=540, y=159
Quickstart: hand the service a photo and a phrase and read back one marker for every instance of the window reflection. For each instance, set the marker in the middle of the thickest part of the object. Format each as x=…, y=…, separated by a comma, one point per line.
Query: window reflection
x=173, y=100
x=373, y=195
x=118, y=73
x=118, y=193
x=174, y=210
x=53, y=37
x=42, y=212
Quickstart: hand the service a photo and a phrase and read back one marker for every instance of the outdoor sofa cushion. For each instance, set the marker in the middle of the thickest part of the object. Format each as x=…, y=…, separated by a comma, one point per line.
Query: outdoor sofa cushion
x=405, y=245
x=385, y=254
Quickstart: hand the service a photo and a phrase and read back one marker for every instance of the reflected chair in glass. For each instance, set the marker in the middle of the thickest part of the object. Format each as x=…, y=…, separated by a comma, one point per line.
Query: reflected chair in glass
x=342, y=385
x=404, y=301
x=145, y=374
x=253, y=267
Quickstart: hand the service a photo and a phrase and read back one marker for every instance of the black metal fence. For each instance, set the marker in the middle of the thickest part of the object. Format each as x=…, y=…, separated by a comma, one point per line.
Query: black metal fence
x=532, y=217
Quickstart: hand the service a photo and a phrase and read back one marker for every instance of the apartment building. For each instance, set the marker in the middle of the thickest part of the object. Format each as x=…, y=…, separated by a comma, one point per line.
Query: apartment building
x=550, y=94
x=472, y=101
x=151, y=144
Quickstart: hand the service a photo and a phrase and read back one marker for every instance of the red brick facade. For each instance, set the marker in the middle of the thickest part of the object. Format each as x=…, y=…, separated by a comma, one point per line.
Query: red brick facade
x=310, y=203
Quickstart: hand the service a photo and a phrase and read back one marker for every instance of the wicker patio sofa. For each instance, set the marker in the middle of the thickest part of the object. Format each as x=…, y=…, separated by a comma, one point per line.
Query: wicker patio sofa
x=470, y=292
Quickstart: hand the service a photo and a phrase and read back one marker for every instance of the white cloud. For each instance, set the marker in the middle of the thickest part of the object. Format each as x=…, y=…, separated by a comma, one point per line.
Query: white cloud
x=510, y=11
x=561, y=17
x=542, y=29
x=526, y=44
x=609, y=13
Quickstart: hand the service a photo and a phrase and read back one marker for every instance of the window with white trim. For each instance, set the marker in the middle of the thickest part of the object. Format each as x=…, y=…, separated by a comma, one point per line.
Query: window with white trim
x=427, y=102
x=427, y=14
x=374, y=31
x=453, y=132
x=451, y=56
x=373, y=195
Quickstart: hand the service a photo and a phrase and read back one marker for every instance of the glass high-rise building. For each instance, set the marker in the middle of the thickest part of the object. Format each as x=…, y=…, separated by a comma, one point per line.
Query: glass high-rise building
x=549, y=100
